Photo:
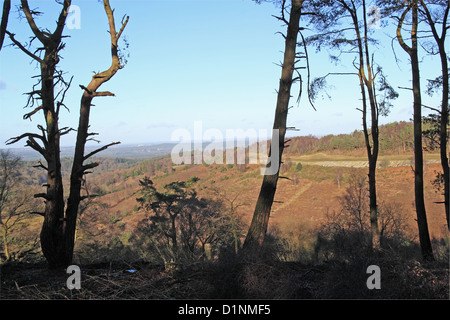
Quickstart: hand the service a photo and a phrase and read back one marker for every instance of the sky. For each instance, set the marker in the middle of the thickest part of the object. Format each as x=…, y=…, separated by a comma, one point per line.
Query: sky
x=213, y=61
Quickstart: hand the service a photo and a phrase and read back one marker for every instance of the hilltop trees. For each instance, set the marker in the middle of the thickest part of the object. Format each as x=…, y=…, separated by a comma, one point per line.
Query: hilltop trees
x=58, y=229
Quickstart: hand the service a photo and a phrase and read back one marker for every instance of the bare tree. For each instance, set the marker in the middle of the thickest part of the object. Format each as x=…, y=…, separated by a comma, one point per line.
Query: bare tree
x=52, y=230
x=58, y=229
x=79, y=168
x=233, y=204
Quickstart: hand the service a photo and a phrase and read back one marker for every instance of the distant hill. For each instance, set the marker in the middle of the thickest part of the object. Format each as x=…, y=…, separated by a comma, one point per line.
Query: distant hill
x=395, y=138
x=126, y=151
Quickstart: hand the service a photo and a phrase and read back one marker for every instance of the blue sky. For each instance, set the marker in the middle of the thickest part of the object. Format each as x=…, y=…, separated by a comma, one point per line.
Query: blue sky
x=190, y=60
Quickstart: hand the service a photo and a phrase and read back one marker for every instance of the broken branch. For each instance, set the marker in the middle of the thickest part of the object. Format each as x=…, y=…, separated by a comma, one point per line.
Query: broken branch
x=89, y=166
x=40, y=165
x=17, y=43
x=28, y=115
x=42, y=195
x=100, y=149
x=103, y=94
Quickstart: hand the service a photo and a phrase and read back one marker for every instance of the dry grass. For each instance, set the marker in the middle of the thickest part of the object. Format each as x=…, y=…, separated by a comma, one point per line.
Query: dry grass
x=101, y=282
x=260, y=277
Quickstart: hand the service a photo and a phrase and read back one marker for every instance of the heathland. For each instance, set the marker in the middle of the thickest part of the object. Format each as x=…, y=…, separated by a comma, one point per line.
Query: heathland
x=317, y=244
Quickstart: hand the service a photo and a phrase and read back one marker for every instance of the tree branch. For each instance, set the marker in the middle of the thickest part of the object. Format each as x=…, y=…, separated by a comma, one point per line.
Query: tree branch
x=28, y=14
x=56, y=36
x=31, y=142
x=399, y=32
x=85, y=89
x=309, y=75
x=89, y=166
x=100, y=149
x=61, y=102
x=123, y=27
x=34, y=145
x=89, y=196
x=43, y=195
x=28, y=115
x=431, y=108
x=25, y=135
x=103, y=94
x=17, y=43
x=40, y=165
x=65, y=130
x=38, y=213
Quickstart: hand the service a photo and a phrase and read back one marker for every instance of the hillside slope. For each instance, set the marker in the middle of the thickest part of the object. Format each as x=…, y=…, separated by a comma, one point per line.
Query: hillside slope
x=318, y=172
x=302, y=202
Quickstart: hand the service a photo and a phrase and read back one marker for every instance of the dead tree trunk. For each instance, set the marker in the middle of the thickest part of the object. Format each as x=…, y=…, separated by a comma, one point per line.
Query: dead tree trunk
x=260, y=221
x=52, y=232
x=58, y=229
x=79, y=169
x=424, y=236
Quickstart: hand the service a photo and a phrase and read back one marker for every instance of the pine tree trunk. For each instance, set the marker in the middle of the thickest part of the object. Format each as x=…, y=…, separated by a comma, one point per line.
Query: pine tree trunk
x=443, y=133
x=424, y=236
x=260, y=221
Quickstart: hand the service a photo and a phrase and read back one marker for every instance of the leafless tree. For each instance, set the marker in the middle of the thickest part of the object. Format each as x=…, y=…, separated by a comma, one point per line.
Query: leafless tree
x=232, y=203
x=58, y=230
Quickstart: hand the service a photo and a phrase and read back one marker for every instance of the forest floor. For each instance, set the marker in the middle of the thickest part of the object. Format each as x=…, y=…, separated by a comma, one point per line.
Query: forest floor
x=261, y=279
